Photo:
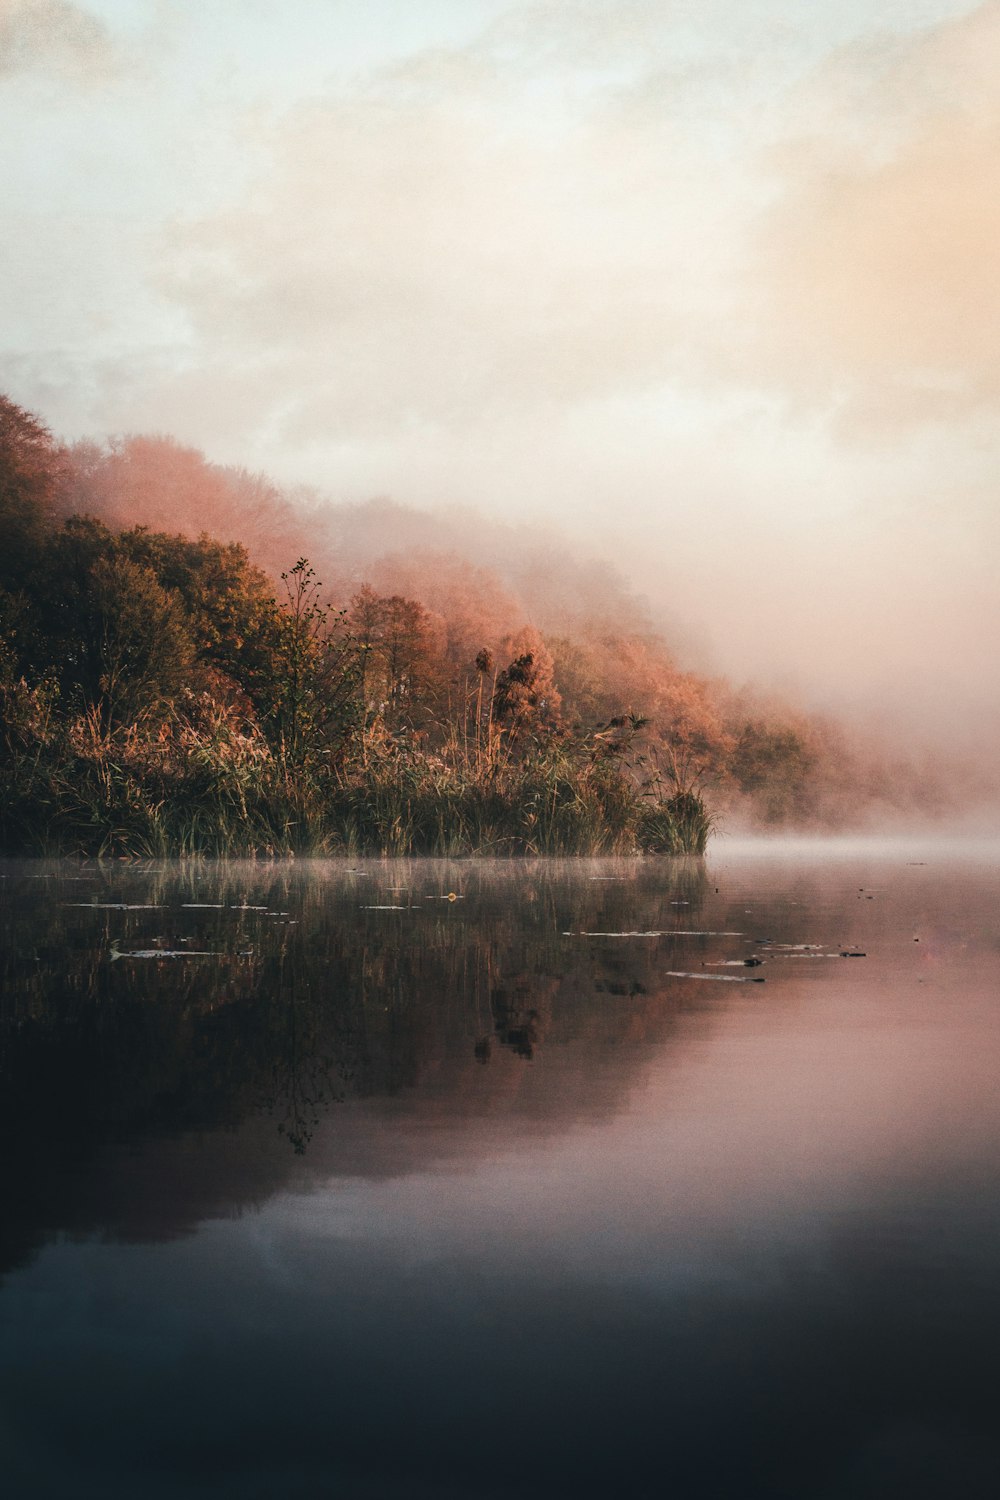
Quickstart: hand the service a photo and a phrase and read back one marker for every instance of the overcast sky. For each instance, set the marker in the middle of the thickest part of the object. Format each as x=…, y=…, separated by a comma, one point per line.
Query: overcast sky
x=713, y=282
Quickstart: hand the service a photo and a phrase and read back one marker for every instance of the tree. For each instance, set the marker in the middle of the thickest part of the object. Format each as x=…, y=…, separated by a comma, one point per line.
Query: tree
x=144, y=652
x=234, y=619
x=30, y=468
x=773, y=764
x=315, y=672
x=401, y=669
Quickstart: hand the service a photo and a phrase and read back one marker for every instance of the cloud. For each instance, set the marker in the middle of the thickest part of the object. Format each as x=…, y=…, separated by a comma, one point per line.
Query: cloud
x=437, y=249
x=53, y=36
x=875, y=269
x=492, y=229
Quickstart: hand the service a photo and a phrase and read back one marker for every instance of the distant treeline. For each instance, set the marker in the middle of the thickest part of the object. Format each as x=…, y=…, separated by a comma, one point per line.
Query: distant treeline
x=163, y=692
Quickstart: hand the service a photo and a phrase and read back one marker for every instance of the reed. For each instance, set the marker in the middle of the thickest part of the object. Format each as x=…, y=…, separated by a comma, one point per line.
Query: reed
x=89, y=790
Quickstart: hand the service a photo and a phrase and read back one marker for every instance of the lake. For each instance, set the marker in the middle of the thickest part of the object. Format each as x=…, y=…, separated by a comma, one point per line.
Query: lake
x=414, y=1180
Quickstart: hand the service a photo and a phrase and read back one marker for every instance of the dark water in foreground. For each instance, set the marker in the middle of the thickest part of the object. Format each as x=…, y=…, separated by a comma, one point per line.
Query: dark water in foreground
x=381, y=1194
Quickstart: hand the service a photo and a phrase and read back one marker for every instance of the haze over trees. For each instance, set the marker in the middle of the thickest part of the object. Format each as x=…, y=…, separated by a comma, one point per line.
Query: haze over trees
x=448, y=685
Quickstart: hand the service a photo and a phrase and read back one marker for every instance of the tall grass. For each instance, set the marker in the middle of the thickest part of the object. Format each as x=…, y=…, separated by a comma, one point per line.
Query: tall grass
x=83, y=789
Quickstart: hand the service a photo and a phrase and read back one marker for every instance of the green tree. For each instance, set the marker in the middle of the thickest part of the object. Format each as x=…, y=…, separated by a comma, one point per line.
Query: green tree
x=234, y=620
x=30, y=468
x=144, y=652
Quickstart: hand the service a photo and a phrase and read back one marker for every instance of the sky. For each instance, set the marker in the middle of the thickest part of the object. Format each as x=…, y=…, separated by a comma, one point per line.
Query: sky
x=711, y=285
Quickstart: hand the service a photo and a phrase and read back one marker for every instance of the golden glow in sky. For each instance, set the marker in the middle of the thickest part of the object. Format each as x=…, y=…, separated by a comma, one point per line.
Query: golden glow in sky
x=712, y=283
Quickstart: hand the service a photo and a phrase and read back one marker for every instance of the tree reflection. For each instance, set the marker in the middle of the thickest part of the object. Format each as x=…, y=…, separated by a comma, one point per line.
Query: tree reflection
x=307, y=999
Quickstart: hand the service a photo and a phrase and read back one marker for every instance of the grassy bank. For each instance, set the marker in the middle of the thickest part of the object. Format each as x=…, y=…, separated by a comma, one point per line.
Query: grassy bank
x=88, y=793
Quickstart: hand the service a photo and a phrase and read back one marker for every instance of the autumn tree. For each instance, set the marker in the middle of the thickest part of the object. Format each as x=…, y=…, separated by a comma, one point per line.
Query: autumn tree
x=314, y=675
x=773, y=765
x=400, y=649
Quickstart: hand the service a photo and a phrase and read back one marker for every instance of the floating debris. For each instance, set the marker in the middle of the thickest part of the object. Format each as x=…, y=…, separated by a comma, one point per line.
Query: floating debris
x=248, y=908
x=814, y=953
x=664, y=932
x=117, y=952
x=720, y=978
x=732, y=963
x=114, y=905
x=383, y=908
x=203, y=906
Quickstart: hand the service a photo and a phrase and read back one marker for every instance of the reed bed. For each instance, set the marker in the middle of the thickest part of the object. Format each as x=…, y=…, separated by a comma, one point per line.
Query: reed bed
x=87, y=792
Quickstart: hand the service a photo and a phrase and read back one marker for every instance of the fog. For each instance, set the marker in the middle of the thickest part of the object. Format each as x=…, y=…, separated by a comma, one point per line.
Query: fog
x=705, y=292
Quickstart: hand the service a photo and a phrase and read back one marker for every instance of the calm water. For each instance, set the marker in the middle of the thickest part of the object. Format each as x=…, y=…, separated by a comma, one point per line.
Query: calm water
x=536, y=1191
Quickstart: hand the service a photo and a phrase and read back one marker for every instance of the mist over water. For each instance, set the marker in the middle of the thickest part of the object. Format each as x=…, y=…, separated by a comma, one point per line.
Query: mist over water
x=515, y=1192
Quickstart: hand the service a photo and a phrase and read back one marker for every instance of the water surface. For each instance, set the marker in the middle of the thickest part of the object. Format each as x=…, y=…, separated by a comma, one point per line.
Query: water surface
x=492, y=1179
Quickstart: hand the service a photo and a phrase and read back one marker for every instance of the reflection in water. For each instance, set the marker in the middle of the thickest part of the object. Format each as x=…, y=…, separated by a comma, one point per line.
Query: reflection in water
x=295, y=995
x=454, y=1179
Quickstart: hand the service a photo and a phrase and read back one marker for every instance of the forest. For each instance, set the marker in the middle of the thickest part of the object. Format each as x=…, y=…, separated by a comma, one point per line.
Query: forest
x=360, y=679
